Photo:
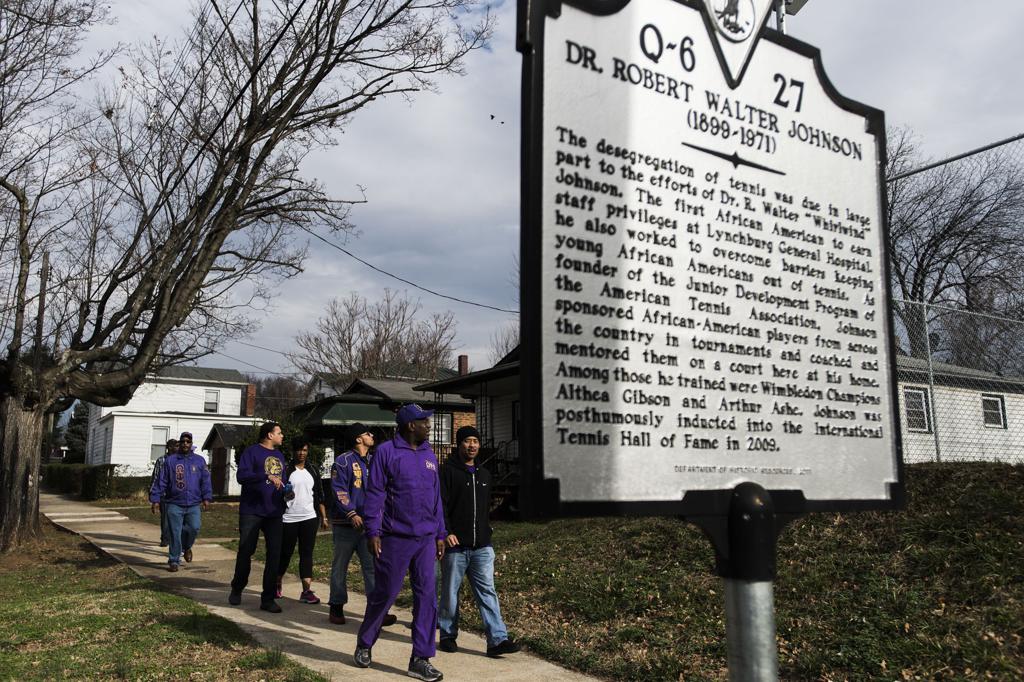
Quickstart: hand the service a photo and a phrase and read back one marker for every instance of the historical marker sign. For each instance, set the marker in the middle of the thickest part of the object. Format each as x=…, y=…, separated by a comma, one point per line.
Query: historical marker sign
x=705, y=261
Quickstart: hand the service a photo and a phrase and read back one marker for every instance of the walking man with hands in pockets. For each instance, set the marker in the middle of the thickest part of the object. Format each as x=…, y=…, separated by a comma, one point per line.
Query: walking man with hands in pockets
x=405, y=530
x=182, y=485
x=466, y=494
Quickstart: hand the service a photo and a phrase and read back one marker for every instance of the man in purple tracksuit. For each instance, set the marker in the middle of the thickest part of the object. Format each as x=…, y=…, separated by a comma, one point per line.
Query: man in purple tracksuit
x=262, y=473
x=182, y=485
x=405, y=530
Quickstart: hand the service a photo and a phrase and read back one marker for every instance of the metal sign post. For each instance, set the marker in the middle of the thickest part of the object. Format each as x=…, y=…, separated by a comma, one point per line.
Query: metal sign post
x=704, y=283
x=749, y=576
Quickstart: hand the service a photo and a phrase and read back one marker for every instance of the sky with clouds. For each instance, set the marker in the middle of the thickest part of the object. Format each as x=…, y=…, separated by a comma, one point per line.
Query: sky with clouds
x=441, y=174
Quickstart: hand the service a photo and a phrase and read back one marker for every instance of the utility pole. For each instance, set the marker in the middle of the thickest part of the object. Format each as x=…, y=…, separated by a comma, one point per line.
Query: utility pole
x=37, y=361
x=44, y=274
x=780, y=15
x=784, y=7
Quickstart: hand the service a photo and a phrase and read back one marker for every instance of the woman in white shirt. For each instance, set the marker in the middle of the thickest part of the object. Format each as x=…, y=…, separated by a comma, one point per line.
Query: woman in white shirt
x=304, y=514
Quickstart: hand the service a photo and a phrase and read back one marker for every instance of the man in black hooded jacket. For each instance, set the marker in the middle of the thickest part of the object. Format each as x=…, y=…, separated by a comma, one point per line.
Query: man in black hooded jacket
x=466, y=497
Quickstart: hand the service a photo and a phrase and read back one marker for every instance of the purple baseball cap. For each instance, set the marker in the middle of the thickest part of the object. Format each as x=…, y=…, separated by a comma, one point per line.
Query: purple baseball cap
x=411, y=412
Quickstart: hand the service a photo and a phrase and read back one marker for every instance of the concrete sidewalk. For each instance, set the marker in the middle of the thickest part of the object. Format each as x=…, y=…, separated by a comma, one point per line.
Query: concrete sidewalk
x=301, y=630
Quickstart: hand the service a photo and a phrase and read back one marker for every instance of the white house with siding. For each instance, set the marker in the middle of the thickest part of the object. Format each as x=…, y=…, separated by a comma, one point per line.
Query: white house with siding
x=959, y=414
x=495, y=395
x=175, y=399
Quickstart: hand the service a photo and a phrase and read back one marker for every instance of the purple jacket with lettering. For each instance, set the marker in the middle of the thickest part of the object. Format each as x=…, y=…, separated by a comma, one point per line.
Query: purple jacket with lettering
x=259, y=497
x=348, y=481
x=183, y=480
x=403, y=493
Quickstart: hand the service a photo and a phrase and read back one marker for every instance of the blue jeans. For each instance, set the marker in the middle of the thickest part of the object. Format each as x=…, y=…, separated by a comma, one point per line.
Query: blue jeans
x=346, y=541
x=478, y=565
x=183, y=525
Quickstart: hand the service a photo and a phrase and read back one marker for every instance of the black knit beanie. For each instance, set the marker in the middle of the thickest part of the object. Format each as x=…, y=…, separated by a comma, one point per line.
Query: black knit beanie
x=464, y=433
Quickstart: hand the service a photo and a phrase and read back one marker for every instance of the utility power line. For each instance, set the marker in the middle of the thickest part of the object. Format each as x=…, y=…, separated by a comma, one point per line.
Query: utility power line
x=405, y=281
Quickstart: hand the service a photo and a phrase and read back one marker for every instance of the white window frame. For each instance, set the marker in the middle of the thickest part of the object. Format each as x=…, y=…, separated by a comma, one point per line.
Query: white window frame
x=158, y=445
x=207, y=402
x=926, y=400
x=1001, y=402
x=443, y=428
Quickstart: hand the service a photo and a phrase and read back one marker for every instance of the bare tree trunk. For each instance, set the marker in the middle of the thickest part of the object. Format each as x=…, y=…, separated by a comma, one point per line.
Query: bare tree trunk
x=21, y=435
x=914, y=318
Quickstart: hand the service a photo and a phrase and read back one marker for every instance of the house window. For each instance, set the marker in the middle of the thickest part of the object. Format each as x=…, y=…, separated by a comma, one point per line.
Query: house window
x=442, y=428
x=212, y=402
x=915, y=402
x=515, y=420
x=993, y=411
x=161, y=434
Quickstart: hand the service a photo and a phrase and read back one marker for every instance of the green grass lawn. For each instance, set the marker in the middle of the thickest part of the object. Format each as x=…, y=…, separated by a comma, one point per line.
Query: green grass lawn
x=70, y=612
x=934, y=592
x=219, y=521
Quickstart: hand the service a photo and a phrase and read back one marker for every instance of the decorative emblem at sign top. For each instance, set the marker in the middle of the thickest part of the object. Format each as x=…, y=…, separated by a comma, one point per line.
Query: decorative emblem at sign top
x=734, y=18
x=739, y=22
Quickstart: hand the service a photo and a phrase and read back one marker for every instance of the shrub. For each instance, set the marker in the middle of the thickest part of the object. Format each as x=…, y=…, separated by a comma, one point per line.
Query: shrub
x=93, y=482
x=132, y=486
x=98, y=481
x=64, y=478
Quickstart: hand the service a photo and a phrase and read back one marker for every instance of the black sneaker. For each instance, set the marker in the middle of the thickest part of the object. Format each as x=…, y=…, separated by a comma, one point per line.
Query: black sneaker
x=235, y=598
x=448, y=645
x=389, y=619
x=421, y=669
x=505, y=646
x=270, y=606
x=337, y=615
x=362, y=657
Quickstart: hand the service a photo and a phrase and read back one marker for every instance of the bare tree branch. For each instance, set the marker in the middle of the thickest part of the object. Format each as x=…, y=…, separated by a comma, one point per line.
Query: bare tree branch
x=955, y=237
x=174, y=200
x=386, y=339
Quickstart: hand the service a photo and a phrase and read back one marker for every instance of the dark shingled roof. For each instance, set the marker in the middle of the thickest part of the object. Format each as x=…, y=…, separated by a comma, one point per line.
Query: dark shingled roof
x=201, y=374
x=395, y=391
x=916, y=370
x=232, y=435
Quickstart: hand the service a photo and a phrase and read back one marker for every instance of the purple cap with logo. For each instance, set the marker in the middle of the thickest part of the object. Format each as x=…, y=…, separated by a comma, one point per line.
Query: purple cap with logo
x=411, y=412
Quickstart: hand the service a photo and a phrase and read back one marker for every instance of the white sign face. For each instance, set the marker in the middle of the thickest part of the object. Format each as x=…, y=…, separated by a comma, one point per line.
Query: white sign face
x=714, y=304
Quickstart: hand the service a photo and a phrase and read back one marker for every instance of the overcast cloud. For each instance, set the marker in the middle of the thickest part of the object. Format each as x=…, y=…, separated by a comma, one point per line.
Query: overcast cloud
x=442, y=176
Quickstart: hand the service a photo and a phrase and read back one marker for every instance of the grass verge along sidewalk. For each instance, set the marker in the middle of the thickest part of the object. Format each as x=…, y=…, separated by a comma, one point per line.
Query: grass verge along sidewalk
x=70, y=612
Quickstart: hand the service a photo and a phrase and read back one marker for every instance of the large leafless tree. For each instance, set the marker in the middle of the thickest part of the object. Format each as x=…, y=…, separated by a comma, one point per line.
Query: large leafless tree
x=277, y=395
x=382, y=339
x=165, y=210
x=503, y=340
x=956, y=236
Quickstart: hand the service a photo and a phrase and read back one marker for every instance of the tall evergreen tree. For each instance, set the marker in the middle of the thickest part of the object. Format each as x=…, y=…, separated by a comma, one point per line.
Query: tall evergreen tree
x=77, y=432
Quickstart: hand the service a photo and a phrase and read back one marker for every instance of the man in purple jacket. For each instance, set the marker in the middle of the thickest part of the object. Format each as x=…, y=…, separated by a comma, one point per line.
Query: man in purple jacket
x=261, y=471
x=348, y=479
x=182, y=485
x=405, y=530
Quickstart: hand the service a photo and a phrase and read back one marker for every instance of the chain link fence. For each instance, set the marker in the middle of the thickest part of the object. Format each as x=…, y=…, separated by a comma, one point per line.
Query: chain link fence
x=961, y=384
x=957, y=237
x=1012, y=148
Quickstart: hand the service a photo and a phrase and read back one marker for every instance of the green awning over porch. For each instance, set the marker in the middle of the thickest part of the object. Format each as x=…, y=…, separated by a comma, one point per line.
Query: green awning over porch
x=343, y=413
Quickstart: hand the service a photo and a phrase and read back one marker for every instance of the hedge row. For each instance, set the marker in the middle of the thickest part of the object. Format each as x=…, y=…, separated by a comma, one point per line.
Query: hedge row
x=92, y=482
